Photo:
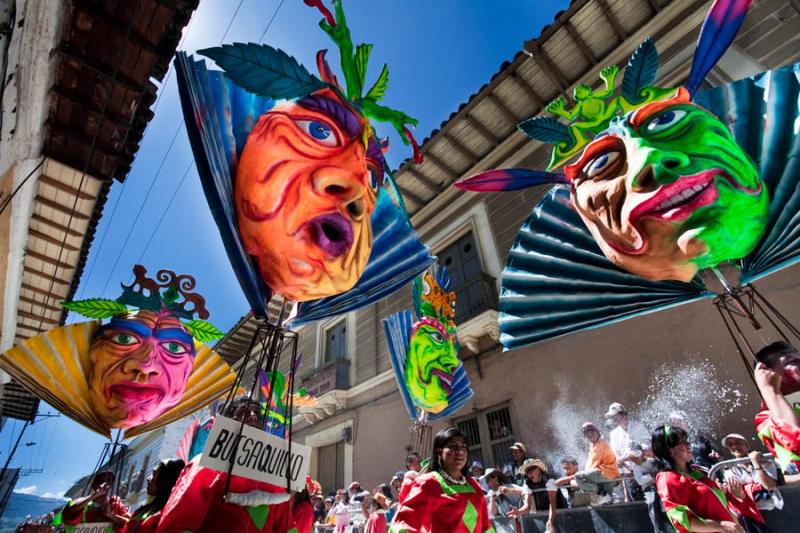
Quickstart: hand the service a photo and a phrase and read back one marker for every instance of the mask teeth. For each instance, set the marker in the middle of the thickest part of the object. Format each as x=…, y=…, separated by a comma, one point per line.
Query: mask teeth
x=417, y=155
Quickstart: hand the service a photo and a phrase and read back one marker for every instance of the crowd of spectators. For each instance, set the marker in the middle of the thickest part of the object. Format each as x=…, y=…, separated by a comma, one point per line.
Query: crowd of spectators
x=673, y=467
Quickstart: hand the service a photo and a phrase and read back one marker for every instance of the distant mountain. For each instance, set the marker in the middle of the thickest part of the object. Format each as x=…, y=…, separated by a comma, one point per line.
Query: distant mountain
x=21, y=505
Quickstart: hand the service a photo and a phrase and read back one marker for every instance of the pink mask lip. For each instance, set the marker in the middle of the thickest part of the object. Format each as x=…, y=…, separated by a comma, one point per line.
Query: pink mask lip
x=331, y=232
x=138, y=392
x=678, y=212
x=445, y=379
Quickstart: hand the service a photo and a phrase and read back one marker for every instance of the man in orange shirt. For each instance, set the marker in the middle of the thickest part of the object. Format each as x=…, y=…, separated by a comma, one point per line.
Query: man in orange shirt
x=601, y=466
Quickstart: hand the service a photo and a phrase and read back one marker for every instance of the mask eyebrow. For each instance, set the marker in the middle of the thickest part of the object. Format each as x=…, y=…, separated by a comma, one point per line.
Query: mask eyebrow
x=174, y=333
x=129, y=325
x=597, y=146
x=344, y=117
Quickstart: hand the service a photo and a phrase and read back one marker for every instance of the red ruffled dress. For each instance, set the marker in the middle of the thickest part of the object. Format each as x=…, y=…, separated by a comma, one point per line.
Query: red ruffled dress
x=698, y=496
x=782, y=440
x=433, y=505
x=142, y=522
x=91, y=513
x=197, y=505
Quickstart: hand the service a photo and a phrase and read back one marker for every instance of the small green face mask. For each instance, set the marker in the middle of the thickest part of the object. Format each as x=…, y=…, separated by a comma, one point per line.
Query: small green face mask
x=430, y=368
x=667, y=191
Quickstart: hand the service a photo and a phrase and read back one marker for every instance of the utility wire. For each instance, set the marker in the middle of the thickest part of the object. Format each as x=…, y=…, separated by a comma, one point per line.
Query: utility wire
x=191, y=162
x=163, y=160
x=106, y=100
x=7, y=199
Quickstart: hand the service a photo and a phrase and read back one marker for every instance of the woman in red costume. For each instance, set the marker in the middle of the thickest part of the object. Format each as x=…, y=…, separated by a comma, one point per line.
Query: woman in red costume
x=695, y=503
x=205, y=502
x=159, y=486
x=445, y=498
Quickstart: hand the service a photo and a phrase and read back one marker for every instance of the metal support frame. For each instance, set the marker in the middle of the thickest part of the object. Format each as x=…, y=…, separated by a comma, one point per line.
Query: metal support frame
x=744, y=304
x=421, y=438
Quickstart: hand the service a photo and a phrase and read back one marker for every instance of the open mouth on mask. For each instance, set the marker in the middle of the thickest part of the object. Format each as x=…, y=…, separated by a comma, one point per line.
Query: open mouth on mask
x=332, y=233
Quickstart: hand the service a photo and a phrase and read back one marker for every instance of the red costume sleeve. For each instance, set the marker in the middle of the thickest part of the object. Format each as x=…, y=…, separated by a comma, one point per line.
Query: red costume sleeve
x=782, y=440
x=747, y=506
x=71, y=515
x=119, y=508
x=190, y=499
x=673, y=489
x=303, y=517
x=416, y=509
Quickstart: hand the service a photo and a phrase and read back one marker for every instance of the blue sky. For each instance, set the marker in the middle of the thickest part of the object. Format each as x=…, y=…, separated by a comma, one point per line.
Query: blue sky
x=439, y=52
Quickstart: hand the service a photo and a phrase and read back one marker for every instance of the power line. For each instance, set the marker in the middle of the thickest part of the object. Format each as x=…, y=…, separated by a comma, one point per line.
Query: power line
x=89, y=158
x=160, y=166
x=125, y=183
x=166, y=210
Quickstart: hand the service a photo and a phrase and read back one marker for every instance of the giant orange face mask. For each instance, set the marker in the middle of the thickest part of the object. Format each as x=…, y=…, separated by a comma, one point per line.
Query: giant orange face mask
x=306, y=186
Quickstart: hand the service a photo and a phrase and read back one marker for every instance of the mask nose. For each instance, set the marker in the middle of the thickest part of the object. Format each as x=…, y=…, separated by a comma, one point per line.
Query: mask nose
x=142, y=365
x=343, y=188
x=659, y=168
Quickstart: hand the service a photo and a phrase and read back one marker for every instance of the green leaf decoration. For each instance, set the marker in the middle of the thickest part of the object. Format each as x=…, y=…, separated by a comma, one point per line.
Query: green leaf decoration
x=264, y=70
x=203, y=331
x=545, y=129
x=302, y=392
x=641, y=71
x=362, y=59
x=340, y=35
x=170, y=295
x=398, y=119
x=379, y=89
x=96, y=307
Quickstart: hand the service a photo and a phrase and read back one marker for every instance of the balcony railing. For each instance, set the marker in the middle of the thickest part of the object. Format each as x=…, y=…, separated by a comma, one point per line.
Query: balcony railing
x=333, y=375
x=476, y=295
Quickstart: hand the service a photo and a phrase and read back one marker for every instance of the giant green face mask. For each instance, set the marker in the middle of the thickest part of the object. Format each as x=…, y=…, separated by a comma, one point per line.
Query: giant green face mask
x=430, y=367
x=666, y=191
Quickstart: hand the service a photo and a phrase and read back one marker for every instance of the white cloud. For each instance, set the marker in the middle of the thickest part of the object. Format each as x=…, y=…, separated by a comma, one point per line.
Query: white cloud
x=27, y=490
x=54, y=495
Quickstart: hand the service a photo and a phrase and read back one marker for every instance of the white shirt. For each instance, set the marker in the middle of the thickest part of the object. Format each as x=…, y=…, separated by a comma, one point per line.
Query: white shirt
x=621, y=440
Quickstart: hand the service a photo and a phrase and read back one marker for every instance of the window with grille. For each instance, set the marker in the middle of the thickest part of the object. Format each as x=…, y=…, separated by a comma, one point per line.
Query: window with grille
x=489, y=435
x=475, y=290
x=336, y=341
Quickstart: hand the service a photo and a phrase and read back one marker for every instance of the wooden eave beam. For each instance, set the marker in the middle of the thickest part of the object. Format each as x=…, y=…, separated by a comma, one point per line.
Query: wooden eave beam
x=52, y=240
x=414, y=197
x=485, y=132
x=586, y=52
x=67, y=51
x=29, y=328
x=654, y=4
x=33, y=316
x=436, y=160
x=63, y=187
x=55, y=225
x=62, y=208
x=549, y=68
x=45, y=275
x=31, y=301
x=514, y=119
x=471, y=156
x=100, y=146
x=48, y=260
x=422, y=178
x=612, y=19
x=121, y=26
x=90, y=107
x=527, y=89
x=43, y=292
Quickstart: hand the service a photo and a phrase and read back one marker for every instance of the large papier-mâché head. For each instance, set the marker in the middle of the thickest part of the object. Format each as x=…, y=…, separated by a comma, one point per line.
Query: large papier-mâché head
x=308, y=177
x=306, y=186
x=665, y=191
x=660, y=182
x=433, y=347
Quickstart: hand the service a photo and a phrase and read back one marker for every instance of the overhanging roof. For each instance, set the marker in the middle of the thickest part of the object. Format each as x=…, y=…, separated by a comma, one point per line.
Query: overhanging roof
x=587, y=36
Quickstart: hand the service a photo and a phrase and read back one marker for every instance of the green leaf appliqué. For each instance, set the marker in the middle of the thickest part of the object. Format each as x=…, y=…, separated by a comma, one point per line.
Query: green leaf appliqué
x=379, y=89
x=96, y=307
x=203, y=331
x=264, y=70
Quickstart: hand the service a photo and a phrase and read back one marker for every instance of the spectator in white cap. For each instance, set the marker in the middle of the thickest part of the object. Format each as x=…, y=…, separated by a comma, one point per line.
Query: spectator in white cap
x=704, y=452
x=623, y=437
x=501, y=501
x=476, y=470
x=756, y=471
x=511, y=469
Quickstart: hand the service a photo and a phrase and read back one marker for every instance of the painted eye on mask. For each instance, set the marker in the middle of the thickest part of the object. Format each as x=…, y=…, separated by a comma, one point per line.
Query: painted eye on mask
x=602, y=163
x=174, y=348
x=124, y=339
x=319, y=131
x=665, y=120
x=437, y=337
x=374, y=179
